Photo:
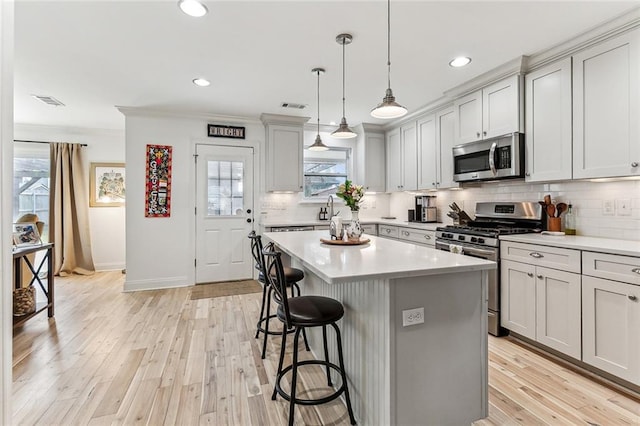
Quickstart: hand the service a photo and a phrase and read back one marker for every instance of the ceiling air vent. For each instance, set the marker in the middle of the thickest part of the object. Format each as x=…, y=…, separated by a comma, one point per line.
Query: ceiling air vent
x=292, y=105
x=49, y=100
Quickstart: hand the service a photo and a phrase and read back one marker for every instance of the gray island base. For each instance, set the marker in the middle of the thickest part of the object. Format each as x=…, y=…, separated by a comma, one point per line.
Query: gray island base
x=428, y=373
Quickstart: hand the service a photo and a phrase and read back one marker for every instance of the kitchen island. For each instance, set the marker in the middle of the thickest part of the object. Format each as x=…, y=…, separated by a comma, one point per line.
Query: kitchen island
x=433, y=371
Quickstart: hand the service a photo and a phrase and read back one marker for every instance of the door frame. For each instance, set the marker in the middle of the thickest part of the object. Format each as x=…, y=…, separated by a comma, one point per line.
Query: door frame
x=258, y=187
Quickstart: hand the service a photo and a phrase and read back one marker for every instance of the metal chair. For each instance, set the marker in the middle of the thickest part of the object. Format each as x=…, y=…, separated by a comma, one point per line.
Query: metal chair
x=292, y=277
x=299, y=313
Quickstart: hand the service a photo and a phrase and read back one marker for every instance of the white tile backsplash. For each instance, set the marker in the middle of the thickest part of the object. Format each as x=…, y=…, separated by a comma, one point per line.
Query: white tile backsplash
x=293, y=207
x=586, y=197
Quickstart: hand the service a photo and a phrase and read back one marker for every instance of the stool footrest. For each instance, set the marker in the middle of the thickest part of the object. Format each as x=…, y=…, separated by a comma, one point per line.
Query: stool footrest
x=301, y=401
x=271, y=332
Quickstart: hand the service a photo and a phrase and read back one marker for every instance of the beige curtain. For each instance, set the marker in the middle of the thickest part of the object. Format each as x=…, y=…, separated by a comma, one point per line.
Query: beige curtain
x=69, y=211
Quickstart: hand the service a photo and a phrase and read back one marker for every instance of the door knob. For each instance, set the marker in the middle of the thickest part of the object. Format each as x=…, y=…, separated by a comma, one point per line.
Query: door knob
x=632, y=298
x=634, y=164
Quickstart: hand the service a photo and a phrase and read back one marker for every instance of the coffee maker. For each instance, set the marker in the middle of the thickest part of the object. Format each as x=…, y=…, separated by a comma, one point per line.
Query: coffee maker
x=426, y=210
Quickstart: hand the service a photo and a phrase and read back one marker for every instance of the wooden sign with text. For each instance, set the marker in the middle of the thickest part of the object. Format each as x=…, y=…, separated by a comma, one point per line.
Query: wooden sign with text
x=233, y=132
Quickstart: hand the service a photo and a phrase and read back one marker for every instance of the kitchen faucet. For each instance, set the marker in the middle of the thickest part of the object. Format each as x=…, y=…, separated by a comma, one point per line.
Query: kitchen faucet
x=330, y=205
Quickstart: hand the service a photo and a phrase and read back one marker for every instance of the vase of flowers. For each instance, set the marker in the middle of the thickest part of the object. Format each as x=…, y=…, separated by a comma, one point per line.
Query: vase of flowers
x=352, y=196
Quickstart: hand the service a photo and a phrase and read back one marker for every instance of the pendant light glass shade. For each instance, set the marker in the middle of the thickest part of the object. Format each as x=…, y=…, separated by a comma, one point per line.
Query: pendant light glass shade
x=343, y=131
x=318, y=145
x=388, y=108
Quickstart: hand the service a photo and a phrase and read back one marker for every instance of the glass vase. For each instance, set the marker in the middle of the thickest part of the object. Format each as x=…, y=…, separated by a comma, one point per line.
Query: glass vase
x=354, y=230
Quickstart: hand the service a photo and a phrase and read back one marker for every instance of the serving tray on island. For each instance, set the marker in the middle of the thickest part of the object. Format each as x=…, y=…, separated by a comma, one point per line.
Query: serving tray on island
x=346, y=242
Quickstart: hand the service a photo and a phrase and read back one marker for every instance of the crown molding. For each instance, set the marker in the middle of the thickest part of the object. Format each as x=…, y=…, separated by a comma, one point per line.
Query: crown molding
x=150, y=112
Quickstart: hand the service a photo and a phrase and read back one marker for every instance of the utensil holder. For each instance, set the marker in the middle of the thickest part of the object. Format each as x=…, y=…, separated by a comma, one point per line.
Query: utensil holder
x=554, y=224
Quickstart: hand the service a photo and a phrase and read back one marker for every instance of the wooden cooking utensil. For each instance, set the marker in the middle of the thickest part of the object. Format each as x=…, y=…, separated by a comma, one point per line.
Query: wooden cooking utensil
x=560, y=208
x=551, y=210
x=547, y=199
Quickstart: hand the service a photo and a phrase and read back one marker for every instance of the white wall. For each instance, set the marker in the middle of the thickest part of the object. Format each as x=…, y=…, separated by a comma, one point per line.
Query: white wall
x=161, y=251
x=587, y=198
x=107, y=223
x=6, y=183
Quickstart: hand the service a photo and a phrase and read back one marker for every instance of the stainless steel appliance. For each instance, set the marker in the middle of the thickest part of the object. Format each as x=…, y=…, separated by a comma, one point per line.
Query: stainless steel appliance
x=501, y=157
x=426, y=210
x=481, y=238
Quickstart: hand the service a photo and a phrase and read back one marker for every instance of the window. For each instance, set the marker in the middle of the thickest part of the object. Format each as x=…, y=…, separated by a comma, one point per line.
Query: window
x=31, y=182
x=225, y=183
x=324, y=171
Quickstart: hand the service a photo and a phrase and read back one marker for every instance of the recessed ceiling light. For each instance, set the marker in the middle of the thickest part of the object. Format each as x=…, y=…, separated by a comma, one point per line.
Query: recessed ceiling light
x=460, y=61
x=202, y=82
x=193, y=8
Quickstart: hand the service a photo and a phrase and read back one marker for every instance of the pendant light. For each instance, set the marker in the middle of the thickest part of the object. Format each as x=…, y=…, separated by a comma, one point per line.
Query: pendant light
x=389, y=108
x=343, y=131
x=318, y=145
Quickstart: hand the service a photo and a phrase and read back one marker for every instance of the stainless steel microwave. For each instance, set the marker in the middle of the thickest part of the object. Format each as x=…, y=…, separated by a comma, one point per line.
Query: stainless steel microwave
x=501, y=157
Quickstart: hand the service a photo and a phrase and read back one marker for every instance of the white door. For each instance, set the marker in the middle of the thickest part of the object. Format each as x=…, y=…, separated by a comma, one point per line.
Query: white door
x=224, y=213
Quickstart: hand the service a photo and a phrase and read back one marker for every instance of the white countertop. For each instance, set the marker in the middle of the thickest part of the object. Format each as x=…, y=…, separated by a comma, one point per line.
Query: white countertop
x=600, y=245
x=381, y=258
x=315, y=222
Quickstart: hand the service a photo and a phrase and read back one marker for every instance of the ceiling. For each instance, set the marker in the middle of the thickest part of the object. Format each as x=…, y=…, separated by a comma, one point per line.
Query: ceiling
x=94, y=55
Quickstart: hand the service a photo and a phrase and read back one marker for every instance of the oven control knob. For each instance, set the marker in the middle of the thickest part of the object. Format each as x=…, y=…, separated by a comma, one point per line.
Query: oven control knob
x=461, y=237
x=480, y=240
x=474, y=240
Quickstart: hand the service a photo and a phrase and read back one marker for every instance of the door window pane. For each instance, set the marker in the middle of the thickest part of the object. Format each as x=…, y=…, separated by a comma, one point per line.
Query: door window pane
x=225, y=195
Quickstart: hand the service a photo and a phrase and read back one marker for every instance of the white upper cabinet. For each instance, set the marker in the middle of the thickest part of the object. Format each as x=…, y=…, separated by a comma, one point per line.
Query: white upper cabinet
x=548, y=122
x=402, y=159
x=445, y=140
x=370, y=159
x=427, y=153
x=284, y=150
x=493, y=111
x=435, y=158
x=606, y=110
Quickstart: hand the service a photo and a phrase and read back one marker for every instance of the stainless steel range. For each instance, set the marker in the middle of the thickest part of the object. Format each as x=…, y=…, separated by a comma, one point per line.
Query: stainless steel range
x=481, y=238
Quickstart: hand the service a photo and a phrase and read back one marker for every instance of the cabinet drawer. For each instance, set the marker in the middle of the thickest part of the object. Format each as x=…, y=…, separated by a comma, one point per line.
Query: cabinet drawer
x=551, y=257
x=611, y=266
x=370, y=229
x=417, y=236
x=387, y=231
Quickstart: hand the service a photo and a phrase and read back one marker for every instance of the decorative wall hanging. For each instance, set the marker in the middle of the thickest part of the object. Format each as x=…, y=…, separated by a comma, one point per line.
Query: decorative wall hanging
x=218, y=131
x=158, y=181
x=107, y=185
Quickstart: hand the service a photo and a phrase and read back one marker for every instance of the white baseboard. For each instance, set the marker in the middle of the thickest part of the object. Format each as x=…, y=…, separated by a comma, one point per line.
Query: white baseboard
x=114, y=266
x=155, y=284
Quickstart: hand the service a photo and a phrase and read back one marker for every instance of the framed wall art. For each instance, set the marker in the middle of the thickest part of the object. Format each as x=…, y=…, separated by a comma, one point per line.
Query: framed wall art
x=158, y=181
x=107, y=185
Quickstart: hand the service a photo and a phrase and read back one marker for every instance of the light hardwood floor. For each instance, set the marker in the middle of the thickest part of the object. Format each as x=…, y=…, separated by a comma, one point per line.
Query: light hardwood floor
x=157, y=357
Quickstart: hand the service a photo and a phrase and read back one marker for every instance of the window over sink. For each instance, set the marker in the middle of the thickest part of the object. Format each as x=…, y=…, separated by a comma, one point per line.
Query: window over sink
x=324, y=171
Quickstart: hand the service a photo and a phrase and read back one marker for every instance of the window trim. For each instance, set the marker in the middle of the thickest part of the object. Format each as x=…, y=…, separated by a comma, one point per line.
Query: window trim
x=349, y=172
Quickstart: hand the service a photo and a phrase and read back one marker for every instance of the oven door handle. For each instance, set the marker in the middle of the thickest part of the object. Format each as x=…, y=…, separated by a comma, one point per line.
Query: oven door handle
x=492, y=158
x=486, y=254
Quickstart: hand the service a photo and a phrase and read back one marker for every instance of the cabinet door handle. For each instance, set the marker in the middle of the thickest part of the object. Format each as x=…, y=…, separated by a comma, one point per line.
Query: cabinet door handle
x=527, y=174
x=427, y=237
x=530, y=274
x=632, y=298
x=540, y=277
x=634, y=164
x=536, y=255
x=636, y=270
x=477, y=134
x=484, y=133
x=405, y=233
x=388, y=231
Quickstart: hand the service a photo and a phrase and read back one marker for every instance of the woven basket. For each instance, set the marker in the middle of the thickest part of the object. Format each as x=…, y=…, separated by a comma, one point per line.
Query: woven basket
x=24, y=301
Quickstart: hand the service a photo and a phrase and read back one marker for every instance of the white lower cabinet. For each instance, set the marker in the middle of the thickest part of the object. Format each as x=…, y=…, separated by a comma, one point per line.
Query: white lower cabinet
x=611, y=323
x=542, y=304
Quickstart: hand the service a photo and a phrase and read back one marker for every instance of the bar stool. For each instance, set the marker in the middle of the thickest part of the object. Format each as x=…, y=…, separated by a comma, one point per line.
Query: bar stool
x=292, y=276
x=299, y=313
